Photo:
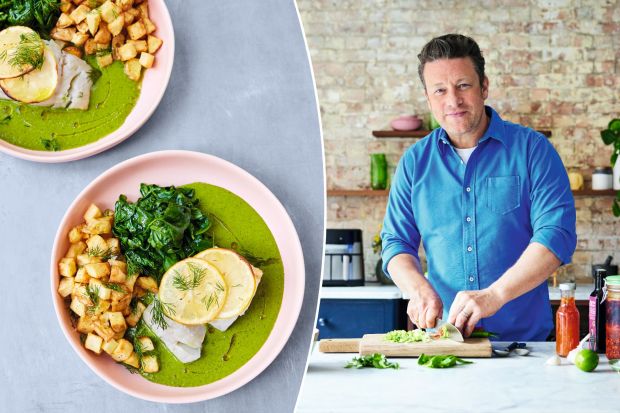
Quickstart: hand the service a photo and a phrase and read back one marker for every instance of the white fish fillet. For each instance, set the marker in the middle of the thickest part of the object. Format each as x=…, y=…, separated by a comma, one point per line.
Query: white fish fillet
x=185, y=342
x=74, y=84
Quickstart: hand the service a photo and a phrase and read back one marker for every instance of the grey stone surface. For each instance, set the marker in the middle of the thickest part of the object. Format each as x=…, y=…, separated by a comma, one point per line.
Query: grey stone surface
x=241, y=89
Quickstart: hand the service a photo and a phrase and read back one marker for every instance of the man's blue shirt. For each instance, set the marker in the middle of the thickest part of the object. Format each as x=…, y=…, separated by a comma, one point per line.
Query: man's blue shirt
x=475, y=220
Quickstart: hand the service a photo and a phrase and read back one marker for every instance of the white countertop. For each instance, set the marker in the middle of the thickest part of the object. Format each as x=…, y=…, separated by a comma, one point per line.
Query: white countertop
x=512, y=384
x=379, y=291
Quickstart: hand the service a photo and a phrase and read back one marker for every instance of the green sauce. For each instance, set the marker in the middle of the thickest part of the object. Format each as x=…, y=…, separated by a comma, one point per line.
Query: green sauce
x=225, y=352
x=112, y=98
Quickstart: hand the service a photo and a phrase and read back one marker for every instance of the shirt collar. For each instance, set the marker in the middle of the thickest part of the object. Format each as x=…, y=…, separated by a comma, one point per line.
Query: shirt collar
x=495, y=130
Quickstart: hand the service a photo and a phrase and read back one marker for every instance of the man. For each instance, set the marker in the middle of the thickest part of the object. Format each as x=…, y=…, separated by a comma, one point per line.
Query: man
x=489, y=199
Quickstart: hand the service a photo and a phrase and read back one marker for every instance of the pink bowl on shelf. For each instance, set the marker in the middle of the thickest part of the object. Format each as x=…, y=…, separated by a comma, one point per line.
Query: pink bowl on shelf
x=406, y=123
x=178, y=168
x=154, y=83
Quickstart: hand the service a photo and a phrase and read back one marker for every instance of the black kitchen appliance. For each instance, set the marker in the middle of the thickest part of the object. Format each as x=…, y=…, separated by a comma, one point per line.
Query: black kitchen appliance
x=344, y=258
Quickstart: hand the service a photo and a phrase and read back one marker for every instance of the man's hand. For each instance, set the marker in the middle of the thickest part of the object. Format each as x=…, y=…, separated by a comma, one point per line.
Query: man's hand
x=424, y=307
x=469, y=307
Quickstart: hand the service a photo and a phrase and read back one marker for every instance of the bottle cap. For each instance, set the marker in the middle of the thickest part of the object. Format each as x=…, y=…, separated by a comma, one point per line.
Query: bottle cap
x=569, y=286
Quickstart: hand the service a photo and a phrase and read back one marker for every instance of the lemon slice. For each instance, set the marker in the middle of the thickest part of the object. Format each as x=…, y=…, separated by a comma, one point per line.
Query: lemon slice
x=19, y=45
x=34, y=86
x=195, y=291
x=238, y=275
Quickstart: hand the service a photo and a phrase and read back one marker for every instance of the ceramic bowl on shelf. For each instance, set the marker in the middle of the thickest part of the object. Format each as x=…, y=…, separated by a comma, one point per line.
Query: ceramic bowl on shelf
x=406, y=123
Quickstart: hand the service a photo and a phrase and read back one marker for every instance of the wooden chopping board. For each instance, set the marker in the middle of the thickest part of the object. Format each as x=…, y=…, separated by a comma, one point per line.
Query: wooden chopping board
x=340, y=345
x=472, y=347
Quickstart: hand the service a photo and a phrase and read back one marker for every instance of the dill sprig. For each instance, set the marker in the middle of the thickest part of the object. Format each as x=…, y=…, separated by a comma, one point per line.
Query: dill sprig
x=93, y=295
x=29, y=52
x=210, y=300
x=103, y=253
x=114, y=287
x=160, y=311
x=182, y=283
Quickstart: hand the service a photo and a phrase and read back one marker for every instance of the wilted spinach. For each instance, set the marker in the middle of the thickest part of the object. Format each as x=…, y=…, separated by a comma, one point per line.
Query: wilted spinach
x=39, y=15
x=162, y=227
x=376, y=360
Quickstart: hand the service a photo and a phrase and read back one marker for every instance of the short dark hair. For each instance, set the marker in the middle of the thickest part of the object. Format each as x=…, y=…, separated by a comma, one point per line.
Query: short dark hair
x=451, y=46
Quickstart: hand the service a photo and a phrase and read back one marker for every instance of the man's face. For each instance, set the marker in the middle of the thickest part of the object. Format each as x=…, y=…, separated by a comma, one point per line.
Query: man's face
x=455, y=98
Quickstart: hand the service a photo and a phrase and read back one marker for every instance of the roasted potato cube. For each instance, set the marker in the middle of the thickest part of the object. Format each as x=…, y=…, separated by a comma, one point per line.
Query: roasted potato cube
x=85, y=259
x=103, y=292
x=91, y=47
x=64, y=20
x=103, y=329
x=114, y=246
x=79, y=292
x=98, y=270
x=79, y=13
x=66, y=7
x=116, y=26
x=135, y=13
x=82, y=27
x=109, y=346
x=76, y=249
x=148, y=25
x=75, y=51
x=117, y=321
x=123, y=350
x=154, y=44
x=124, y=4
x=140, y=45
x=146, y=60
x=109, y=11
x=78, y=307
x=93, y=211
x=104, y=60
x=97, y=245
x=79, y=39
x=136, y=31
x=150, y=364
x=133, y=69
x=65, y=287
x=146, y=343
x=127, y=51
x=128, y=18
x=67, y=267
x=118, y=40
x=148, y=283
x=133, y=318
x=81, y=276
x=92, y=20
x=93, y=342
x=99, y=225
x=144, y=9
x=86, y=324
x=133, y=360
x=130, y=281
x=77, y=2
x=65, y=34
x=103, y=36
x=75, y=235
x=121, y=304
x=117, y=275
x=117, y=296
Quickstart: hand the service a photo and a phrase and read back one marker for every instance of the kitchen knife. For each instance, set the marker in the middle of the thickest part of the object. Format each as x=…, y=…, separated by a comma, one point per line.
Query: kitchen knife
x=452, y=332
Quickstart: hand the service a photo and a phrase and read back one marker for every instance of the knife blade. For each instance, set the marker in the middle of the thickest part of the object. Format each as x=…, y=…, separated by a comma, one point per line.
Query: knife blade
x=452, y=332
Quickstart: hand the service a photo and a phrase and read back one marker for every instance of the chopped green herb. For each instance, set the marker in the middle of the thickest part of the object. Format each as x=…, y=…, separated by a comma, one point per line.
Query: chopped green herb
x=29, y=52
x=93, y=294
x=413, y=336
x=114, y=287
x=440, y=362
x=376, y=360
x=50, y=144
x=40, y=15
x=103, y=253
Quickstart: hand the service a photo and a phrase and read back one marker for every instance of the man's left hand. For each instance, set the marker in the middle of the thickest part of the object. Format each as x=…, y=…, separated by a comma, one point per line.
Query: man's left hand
x=469, y=307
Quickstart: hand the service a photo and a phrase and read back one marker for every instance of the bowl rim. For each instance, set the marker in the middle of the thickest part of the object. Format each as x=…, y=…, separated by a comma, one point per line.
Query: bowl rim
x=254, y=366
x=117, y=136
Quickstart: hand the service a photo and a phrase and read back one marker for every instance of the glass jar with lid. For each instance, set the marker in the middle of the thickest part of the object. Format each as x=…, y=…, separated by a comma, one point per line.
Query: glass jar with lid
x=602, y=178
x=612, y=327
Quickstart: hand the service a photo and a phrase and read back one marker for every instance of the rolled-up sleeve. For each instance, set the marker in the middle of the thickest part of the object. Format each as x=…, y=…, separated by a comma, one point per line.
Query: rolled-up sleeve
x=552, y=211
x=400, y=234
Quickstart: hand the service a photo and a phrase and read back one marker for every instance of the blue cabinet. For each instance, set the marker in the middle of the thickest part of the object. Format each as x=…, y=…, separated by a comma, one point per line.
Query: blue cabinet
x=352, y=318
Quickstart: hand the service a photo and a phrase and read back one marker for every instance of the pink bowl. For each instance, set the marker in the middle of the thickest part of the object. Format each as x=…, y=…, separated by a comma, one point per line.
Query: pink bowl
x=178, y=168
x=406, y=123
x=153, y=87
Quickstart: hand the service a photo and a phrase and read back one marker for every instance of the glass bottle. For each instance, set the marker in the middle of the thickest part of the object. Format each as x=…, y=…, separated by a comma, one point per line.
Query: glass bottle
x=378, y=171
x=596, y=313
x=566, y=321
x=612, y=305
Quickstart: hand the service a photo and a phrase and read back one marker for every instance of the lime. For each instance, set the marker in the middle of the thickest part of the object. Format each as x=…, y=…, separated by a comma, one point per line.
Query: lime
x=586, y=360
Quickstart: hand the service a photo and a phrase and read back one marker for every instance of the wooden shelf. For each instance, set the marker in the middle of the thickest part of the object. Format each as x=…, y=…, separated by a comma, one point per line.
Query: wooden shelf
x=420, y=133
x=385, y=192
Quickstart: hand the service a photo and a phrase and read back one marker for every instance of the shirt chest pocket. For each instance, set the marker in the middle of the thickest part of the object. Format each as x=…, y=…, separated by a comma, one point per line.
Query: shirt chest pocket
x=503, y=193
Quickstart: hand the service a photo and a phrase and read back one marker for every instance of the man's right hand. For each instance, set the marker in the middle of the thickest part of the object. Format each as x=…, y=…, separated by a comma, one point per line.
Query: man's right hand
x=424, y=307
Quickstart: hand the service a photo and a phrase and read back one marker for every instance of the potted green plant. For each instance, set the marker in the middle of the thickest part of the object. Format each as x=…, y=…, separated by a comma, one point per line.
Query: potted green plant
x=611, y=136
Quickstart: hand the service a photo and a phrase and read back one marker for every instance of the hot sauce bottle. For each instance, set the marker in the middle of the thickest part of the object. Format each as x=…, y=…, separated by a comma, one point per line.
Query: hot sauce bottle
x=612, y=304
x=566, y=321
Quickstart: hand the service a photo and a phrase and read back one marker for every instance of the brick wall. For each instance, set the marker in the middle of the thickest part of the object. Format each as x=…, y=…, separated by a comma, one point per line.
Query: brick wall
x=552, y=64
